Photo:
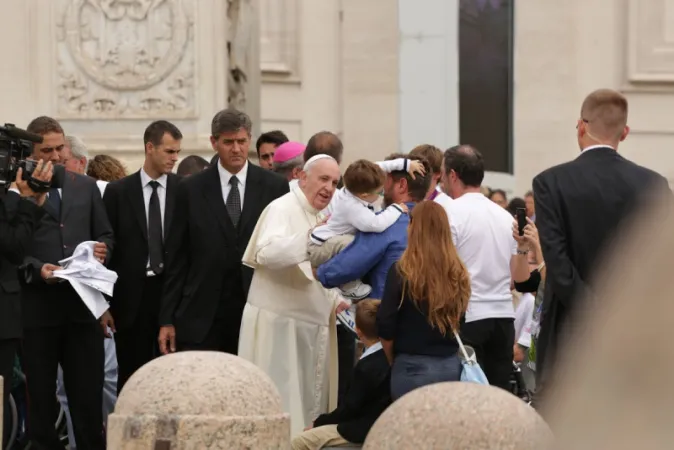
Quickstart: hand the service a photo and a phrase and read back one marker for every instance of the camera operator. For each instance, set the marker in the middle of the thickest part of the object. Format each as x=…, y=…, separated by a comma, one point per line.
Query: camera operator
x=58, y=327
x=20, y=212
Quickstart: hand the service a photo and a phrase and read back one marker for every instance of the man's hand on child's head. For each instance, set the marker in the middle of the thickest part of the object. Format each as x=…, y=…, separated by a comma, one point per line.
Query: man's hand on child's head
x=416, y=168
x=404, y=207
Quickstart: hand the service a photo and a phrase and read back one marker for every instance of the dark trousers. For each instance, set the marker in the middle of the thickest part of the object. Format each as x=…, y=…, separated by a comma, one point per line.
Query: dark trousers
x=137, y=344
x=493, y=341
x=78, y=347
x=346, y=354
x=8, y=348
x=223, y=336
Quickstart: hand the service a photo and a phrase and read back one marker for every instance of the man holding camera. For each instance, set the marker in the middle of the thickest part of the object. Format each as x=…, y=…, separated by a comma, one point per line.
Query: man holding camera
x=20, y=212
x=58, y=328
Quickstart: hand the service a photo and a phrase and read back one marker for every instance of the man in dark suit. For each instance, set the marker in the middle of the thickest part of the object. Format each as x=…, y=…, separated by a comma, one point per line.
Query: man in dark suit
x=206, y=286
x=579, y=207
x=20, y=212
x=140, y=208
x=58, y=327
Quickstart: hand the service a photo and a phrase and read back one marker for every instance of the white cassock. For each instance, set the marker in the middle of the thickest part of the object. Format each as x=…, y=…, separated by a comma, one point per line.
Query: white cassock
x=288, y=326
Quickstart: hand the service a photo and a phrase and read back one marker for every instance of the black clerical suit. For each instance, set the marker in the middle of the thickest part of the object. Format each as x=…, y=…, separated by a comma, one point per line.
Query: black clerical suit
x=137, y=295
x=579, y=207
x=18, y=220
x=58, y=328
x=205, y=285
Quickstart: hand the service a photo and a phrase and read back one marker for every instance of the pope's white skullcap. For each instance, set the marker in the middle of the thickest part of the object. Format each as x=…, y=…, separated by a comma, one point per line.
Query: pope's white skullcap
x=313, y=159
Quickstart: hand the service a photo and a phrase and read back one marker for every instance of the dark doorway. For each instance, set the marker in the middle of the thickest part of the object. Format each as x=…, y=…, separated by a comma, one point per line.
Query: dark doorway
x=485, y=79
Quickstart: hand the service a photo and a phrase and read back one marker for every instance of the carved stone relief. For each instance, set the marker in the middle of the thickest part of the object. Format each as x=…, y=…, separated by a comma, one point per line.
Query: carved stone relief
x=126, y=59
x=240, y=35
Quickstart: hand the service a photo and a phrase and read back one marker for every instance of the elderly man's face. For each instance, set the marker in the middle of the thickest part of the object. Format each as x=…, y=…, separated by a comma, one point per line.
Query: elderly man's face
x=320, y=182
x=72, y=164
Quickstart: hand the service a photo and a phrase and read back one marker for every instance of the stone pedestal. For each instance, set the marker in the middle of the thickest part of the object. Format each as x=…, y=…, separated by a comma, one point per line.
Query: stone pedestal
x=199, y=400
x=459, y=416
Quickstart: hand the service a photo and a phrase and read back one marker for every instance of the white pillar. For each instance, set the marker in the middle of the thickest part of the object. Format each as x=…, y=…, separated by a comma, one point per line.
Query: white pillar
x=429, y=75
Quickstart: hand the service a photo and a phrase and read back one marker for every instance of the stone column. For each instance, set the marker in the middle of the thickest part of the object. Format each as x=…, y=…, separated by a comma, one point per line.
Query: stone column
x=199, y=400
x=459, y=416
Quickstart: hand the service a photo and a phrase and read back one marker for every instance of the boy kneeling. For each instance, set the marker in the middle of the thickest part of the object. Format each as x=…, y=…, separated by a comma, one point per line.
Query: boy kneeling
x=366, y=397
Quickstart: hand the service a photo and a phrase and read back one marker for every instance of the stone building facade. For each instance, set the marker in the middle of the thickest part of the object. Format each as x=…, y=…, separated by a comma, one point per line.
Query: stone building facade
x=383, y=74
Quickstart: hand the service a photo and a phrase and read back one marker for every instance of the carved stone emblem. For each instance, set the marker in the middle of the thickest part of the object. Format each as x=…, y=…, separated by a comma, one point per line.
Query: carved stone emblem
x=126, y=58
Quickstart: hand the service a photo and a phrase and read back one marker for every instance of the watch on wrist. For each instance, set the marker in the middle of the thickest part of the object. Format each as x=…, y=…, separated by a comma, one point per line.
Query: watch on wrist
x=522, y=251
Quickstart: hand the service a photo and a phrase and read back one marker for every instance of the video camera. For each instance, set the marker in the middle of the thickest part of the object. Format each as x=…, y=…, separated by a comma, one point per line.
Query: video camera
x=16, y=145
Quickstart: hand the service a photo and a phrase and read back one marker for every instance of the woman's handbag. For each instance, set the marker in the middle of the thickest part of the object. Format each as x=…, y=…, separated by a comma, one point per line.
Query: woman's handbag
x=471, y=371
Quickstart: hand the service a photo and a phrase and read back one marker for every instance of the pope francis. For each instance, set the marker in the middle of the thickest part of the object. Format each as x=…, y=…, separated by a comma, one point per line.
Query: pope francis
x=288, y=326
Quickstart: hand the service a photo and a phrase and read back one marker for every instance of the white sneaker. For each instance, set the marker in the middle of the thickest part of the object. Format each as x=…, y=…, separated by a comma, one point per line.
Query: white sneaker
x=357, y=293
x=346, y=319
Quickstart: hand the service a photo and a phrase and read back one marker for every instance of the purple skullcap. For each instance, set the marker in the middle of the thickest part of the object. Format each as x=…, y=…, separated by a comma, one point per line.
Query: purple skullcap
x=288, y=151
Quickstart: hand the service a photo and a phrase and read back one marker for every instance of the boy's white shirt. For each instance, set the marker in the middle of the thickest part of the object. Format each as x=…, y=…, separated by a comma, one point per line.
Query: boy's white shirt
x=350, y=214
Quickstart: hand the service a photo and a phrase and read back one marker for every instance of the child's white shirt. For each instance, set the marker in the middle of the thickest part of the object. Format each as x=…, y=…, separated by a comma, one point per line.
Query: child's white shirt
x=350, y=213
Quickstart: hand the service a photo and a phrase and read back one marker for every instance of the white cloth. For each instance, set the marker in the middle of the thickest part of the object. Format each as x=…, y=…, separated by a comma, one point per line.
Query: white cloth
x=225, y=176
x=88, y=277
x=350, y=213
x=288, y=326
x=482, y=234
x=523, y=316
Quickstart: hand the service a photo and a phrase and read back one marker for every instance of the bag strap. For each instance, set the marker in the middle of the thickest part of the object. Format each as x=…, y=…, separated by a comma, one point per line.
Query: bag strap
x=461, y=346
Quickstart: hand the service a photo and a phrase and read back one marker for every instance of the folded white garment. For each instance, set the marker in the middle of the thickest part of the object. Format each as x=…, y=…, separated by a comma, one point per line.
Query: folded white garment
x=88, y=277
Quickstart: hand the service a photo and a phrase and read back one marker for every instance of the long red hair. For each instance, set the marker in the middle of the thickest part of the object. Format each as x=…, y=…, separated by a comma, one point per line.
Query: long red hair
x=431, y=268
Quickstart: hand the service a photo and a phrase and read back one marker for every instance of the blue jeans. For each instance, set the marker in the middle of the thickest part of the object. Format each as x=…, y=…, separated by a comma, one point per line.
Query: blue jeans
x=414, y=371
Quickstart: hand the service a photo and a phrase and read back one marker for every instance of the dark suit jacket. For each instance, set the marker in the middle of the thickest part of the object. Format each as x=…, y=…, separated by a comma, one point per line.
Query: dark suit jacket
x=82, y=218
x=203, y=251
x=18, y=220
x=366, y=397
x=579, y=207
x=125, y=205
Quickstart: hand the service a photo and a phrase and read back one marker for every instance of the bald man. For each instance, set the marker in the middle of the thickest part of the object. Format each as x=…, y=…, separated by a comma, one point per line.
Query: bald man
x=579, y=207
x=288, y=327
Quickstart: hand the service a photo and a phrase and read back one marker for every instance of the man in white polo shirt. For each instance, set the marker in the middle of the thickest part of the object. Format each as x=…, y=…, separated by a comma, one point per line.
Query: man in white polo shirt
x=482, y=233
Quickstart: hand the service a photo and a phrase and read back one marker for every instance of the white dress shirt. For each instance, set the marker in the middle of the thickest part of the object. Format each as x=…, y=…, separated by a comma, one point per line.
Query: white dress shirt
x=225, y=176
x=592, y=147
x=147, y=193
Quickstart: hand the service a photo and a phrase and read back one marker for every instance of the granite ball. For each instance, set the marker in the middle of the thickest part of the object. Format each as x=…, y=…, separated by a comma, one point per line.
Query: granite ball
x=199, y=400
x=459, y=416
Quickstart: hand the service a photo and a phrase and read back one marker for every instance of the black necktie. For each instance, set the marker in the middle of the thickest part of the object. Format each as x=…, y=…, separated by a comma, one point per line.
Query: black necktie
x=155, y=235
x=233, y=203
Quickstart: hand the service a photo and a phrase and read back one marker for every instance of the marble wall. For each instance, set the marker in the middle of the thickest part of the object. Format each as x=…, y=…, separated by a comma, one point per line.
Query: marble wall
x=564, y=50
x=381, y=73
x=106, y=69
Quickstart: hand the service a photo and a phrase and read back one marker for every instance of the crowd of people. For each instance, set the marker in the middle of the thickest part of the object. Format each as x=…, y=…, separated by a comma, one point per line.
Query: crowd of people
x=271, y=261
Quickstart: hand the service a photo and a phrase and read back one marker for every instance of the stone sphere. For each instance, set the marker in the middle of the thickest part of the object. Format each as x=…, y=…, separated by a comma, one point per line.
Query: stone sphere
x=459, y=416
x=199, y=400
